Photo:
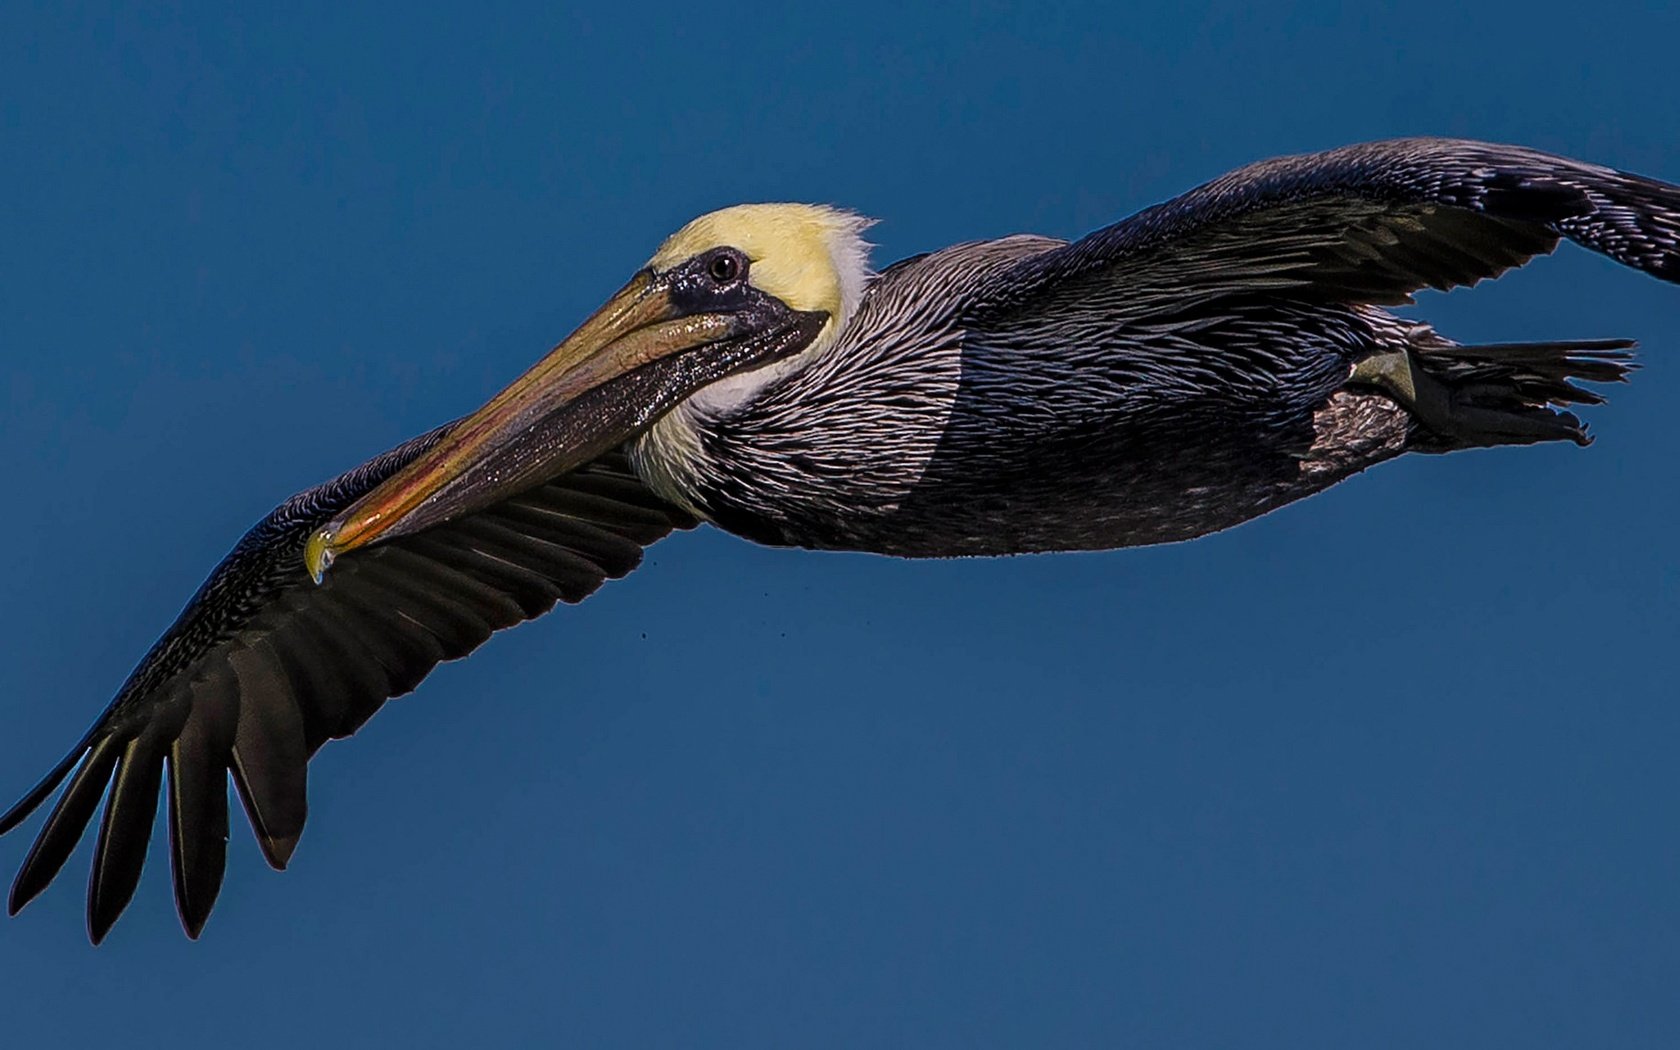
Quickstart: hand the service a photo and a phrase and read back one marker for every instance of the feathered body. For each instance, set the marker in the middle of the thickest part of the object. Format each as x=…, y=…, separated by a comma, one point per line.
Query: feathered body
x=1203, y=362
x=1161, y=379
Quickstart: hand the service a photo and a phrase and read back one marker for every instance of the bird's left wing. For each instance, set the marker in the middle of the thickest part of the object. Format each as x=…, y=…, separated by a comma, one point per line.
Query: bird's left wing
x=1369, y=224
x=264, y=666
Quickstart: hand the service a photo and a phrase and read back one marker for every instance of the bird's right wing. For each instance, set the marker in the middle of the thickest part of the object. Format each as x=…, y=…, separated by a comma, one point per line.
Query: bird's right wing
x=264, y=666
x=1370, y=224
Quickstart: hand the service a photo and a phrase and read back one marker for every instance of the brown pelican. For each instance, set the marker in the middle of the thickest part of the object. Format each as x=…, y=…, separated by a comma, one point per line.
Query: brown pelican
x=1203, y=362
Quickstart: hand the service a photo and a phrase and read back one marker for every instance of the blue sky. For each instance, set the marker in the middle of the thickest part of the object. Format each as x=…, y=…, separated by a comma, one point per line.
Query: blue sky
x=1390, y=767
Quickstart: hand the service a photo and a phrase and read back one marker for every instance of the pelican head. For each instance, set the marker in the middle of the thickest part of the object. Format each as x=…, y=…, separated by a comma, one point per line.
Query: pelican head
x=736, y=290
x=808, y=256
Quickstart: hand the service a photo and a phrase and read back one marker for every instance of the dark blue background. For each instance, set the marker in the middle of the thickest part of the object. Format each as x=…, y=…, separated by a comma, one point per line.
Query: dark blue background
x=1391, y=767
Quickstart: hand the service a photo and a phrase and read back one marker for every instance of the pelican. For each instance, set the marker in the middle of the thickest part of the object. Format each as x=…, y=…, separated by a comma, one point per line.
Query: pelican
x=1201, y=363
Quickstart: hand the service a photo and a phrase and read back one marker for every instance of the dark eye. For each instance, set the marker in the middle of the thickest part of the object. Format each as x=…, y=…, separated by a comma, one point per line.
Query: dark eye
x=725, y=267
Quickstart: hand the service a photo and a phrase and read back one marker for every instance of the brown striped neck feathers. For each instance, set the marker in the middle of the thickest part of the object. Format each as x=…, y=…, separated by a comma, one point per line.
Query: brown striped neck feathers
x=809, y=256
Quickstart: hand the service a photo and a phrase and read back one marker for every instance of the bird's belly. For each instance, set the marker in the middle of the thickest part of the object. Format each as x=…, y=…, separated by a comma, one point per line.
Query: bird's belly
x=1124, y=486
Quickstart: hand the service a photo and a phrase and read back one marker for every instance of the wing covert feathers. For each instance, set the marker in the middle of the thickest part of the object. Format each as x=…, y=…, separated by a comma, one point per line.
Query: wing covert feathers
x=1370, y=224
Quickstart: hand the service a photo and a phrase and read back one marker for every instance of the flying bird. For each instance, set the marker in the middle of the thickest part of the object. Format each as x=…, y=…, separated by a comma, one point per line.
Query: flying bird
x=1199, y=364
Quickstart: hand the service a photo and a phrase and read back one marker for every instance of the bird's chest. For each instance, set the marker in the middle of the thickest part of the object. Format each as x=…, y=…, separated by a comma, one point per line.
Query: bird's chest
x=829, y=468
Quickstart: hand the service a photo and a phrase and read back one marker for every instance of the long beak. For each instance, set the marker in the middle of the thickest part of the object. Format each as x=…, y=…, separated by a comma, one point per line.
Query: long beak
x=561, y=413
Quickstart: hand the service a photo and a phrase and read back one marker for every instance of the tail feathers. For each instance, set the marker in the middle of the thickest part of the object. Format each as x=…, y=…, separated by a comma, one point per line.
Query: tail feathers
x=1498, y=393
x=1517, y=393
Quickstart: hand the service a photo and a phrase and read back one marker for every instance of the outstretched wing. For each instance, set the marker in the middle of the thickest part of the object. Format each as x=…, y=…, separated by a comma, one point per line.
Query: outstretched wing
x=264, y=666
x=1370, y=223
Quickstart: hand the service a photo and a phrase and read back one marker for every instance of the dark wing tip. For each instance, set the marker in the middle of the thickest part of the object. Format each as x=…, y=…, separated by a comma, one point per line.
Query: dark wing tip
x=198, y=879
x=266, y=804
x=66, y=823
x=38, y=794
x=193, y=925
x=278, y=850
x=99, y=922
x=198, y=809
x=270, y=757
x=197, y=885
x=125, y=833
x=21, y=895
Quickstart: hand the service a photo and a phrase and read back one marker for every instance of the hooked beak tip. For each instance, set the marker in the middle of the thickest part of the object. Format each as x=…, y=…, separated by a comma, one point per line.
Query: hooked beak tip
x=318, y=553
